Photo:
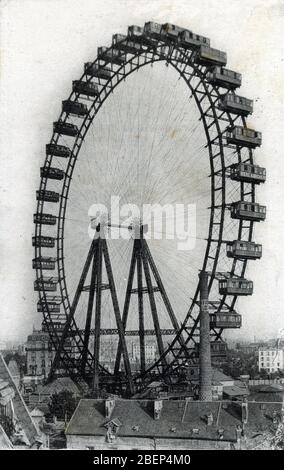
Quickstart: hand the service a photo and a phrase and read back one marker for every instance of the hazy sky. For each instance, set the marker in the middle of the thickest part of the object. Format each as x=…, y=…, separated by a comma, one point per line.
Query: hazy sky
x=44, y=44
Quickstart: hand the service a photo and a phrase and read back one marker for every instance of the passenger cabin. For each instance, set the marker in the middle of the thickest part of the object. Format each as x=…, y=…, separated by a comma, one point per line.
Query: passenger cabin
x=224, y=77
x=240, y=249
x=48, y=196
x=247, y=173
x=45, y=242
x=248, y=211
x=118, y=39
x=153, y=30
x=130, y=47
x=235, y=286
x=136, y=34
x=44, y=262
x=225, y=320
x=74, y=107
x=55, y=325
x=65, y=128
x=171, y=31
x=51, y=306
x=113, y=56
x=52, y=173
x=218, y=349
x=206, y=55
x=85, y=88
x=45, y=219
x=46, y=283
x=190, y=40
x=104, y=73
x=57, y=150
x=243, y=137
x=236, y=104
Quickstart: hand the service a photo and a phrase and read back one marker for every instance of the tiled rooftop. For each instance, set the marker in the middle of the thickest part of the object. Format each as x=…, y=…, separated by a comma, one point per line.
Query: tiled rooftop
x=178, y=419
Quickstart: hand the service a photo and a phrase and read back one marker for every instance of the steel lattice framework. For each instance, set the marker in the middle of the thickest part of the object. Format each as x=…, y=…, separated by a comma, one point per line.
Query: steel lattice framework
x=143, y=46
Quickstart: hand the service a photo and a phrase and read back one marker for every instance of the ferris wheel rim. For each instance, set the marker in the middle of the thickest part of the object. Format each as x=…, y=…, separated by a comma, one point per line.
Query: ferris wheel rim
x=63, y=198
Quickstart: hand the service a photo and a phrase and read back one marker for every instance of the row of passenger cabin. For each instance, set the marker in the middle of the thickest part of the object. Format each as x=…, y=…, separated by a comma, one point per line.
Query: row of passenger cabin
x=248, y=173
x=46, y=283
x=113, y=56
x=182, y=36
x=205, y=55
x=243, y=137
x=65, y=128
x=85, y=88
x=48, y=196
x=52, y=173
x=74, y=107
x=137, y=34
x=55, y=325
x=94, y=70
x=58, y=150
x=236, y=104
x=244, y=210
x=187, y=39
x=52, y=305
x=43, y=241
x=235, y=286
x=217, y=348
x=225, y=320
x=224, y=77
x=44, y=262
x=240, y=249
x=45, y=219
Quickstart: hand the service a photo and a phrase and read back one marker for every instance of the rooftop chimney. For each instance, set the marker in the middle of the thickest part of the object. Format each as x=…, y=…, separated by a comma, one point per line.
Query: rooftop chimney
x=244, y=412
x=109, y=407
x=209, y=419
x=158, y=405
x=205, y=376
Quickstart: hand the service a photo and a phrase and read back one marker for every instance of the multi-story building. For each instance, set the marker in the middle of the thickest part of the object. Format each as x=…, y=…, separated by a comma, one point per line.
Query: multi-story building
x=270, y=359
x=150, y=352
x=171, y=424
x=39, y=353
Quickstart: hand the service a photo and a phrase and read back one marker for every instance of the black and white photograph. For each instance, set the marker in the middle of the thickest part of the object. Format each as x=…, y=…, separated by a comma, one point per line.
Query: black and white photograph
x=142, y=228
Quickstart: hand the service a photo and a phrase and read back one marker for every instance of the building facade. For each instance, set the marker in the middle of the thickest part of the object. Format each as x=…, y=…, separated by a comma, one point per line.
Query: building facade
x=150, y=352
x=39, y=353
x=270, y=359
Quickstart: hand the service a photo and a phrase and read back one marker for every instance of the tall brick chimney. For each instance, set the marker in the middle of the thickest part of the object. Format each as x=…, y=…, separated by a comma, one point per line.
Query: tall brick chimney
x=205, y=374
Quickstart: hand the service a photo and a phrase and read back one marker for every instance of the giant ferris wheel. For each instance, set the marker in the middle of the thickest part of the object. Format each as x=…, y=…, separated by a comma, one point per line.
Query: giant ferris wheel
x=155, y=119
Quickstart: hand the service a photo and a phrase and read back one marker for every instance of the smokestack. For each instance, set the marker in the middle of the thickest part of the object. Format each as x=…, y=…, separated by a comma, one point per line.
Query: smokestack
x=205, y=375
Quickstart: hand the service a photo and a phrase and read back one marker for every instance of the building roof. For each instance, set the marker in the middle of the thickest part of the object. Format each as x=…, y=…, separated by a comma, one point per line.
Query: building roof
x=5, y=442
x=37, y=413
x=269, y=388
x=20, y=407
x=178, y=419
x=219, y=376
x=57, y=386
x=235, y=391
x=13, y=368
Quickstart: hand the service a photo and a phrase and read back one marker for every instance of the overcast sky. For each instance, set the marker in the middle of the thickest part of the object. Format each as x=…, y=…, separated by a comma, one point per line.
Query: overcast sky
x=44, y=44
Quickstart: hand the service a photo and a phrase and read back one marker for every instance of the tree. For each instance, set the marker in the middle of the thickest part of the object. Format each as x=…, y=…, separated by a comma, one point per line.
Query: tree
x=63, y=404
x=263, y=374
